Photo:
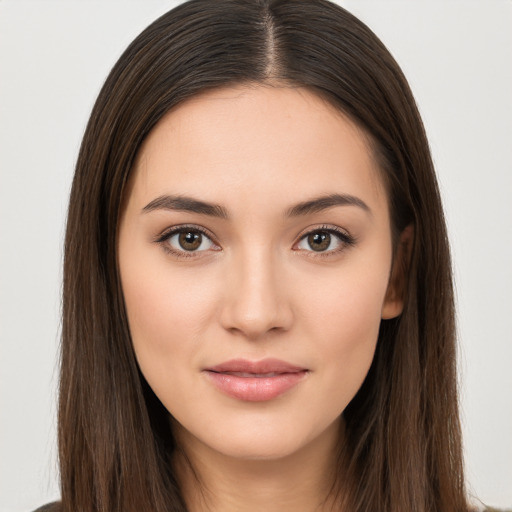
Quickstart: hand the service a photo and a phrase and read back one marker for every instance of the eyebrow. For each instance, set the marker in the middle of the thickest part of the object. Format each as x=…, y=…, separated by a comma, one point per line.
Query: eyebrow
x=186, y=204
x=189, y=204
x=322, y=203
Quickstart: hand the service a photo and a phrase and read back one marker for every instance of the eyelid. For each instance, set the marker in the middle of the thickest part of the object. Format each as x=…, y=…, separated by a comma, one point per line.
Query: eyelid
x=165, y=235
x=345, y=238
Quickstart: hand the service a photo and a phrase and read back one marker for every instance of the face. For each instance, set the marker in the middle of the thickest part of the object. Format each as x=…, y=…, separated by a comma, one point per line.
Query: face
x=255, y=258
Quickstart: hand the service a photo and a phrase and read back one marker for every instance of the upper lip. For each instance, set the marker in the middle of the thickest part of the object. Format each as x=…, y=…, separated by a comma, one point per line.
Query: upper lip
x=255, y=367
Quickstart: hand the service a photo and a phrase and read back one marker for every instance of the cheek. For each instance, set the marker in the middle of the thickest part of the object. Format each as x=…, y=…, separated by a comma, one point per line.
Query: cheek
x=168, y=313
x=348, y=299
x=345, y=319
x=166, y=325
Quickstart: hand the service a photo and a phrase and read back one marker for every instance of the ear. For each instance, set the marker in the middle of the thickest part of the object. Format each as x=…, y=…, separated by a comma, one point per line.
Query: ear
x=397, y=287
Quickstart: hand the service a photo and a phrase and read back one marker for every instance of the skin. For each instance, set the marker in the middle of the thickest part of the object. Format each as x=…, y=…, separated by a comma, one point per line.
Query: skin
x=258, y=289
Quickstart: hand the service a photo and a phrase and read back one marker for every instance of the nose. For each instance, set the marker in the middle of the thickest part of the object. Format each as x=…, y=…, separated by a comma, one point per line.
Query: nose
x=255, y=300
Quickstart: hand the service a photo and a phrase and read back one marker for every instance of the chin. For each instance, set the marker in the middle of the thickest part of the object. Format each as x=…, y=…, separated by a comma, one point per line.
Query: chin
x=263, y=449
x=262, y=441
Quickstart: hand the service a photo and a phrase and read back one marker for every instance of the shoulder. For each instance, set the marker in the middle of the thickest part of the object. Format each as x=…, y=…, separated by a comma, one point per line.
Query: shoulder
x=50, y=507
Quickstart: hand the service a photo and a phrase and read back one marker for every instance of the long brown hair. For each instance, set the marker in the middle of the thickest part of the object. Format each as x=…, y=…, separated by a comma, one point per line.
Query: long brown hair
x=403, y=443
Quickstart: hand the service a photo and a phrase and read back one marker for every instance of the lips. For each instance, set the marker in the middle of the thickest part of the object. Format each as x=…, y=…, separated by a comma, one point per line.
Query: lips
x=255, y=381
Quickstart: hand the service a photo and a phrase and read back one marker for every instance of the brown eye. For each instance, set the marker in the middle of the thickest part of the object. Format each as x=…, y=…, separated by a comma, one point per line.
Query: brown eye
x=325, y=240
x=187, y=240
x=190, y=240
x=319, y=240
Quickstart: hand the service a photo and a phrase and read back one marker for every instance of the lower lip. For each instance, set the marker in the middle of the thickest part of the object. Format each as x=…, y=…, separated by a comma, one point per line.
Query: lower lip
x=255, y=389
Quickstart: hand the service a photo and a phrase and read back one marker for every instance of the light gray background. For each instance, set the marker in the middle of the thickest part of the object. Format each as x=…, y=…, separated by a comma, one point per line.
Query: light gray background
x=54, y=56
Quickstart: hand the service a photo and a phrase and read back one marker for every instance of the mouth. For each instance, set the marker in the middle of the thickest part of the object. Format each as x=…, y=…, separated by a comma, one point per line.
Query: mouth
x=255, y=381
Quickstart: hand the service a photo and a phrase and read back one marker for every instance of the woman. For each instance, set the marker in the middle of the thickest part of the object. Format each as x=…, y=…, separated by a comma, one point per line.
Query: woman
x=258, y=308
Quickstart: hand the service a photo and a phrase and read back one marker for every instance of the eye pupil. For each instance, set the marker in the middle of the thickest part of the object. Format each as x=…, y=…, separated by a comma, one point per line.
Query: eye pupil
x=190, y=240
x=319, y=241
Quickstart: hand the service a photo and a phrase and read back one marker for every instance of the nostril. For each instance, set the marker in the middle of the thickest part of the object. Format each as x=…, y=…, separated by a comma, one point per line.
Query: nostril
x=255, y=302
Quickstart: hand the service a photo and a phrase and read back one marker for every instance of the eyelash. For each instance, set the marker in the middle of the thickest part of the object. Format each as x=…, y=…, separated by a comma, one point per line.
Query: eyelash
x=346, y=240
x=168, y=233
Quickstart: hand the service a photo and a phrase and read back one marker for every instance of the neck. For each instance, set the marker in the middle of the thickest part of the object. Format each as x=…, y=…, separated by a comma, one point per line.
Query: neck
x=303, y=481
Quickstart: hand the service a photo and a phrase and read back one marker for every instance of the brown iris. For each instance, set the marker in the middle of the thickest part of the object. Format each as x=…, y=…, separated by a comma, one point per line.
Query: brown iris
x=319, y=241
x=190, y=240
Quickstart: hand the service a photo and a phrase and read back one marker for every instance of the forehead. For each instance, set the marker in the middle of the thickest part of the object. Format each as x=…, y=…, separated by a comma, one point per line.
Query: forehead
x=256, y=141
